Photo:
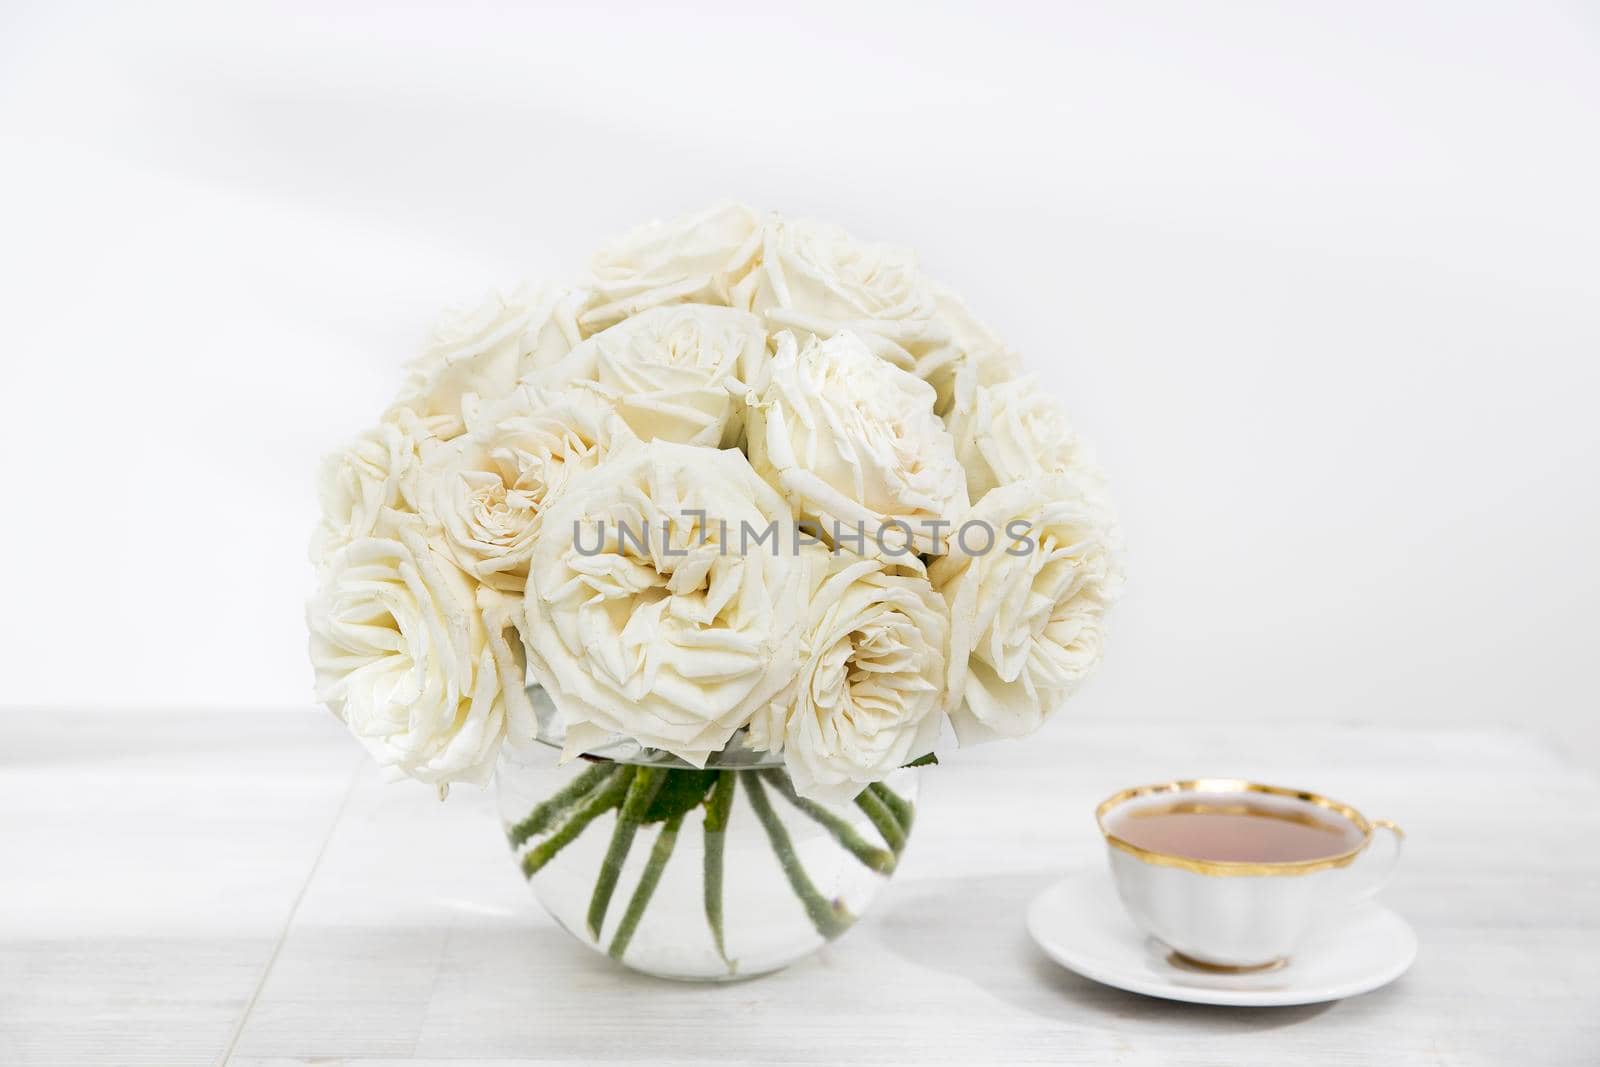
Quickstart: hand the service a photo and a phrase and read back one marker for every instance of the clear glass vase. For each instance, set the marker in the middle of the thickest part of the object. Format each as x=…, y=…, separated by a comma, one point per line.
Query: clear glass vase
x=697, y=875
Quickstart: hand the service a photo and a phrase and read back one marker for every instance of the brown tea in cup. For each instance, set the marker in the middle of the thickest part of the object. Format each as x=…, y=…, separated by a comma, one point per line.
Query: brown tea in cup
x=1234, y=833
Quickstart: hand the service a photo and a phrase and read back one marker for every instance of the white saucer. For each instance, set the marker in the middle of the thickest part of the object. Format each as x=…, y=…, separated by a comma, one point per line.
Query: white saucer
x=1080, y=924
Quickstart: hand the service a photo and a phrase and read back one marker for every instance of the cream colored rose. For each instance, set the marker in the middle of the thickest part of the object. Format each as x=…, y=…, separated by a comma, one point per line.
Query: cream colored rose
x=872, y=684
x=674, y=373
x=357, y=483
x=1014, y=431
x=488, y=488
x=483, y=351
x=414, y=657
x=1026, y=614
x=853, y=442
x=649, y=611
x=817, y=279
x=688, y=260
x=975, y=357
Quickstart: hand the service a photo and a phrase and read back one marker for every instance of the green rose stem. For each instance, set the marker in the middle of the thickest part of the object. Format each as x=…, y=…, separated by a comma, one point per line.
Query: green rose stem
x=599, y=801
x=876, y=858
x=883, y=818
x=904, y=812
x=558, y=804
x=719, y=805
x=646, y=887
x=641, y=791
x=829, y=918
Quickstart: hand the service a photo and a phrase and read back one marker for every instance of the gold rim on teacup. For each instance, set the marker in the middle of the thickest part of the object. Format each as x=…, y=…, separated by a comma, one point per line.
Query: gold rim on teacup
x=1238, y=868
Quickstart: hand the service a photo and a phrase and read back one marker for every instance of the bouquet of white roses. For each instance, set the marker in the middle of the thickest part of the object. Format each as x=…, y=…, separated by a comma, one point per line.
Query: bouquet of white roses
x=751, y=484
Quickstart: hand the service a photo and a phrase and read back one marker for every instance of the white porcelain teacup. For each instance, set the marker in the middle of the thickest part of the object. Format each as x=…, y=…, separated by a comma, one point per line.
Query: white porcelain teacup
x=1240, y=891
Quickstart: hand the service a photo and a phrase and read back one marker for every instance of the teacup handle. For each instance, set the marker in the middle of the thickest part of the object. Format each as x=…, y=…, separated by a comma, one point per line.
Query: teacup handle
x=1377, y=869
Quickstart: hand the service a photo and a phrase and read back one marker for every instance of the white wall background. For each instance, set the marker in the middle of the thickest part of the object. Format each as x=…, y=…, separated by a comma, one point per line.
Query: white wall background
x=1322, y=281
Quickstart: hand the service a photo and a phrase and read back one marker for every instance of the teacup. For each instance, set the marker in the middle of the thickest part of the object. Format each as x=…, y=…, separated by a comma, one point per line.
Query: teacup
x=1231, y=874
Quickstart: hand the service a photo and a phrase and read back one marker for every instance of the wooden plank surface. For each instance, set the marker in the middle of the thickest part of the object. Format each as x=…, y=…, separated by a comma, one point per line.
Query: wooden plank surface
x=242, y=887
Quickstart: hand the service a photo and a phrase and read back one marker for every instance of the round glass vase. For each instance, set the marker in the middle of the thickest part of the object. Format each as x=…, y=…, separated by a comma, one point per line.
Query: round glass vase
x=697, y=875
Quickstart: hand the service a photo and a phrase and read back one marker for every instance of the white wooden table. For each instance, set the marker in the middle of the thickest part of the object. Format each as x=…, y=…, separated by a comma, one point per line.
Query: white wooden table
x=197, y=889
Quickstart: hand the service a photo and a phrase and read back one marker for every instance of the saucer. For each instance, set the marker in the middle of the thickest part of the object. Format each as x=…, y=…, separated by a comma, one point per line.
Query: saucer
x=1080, y=923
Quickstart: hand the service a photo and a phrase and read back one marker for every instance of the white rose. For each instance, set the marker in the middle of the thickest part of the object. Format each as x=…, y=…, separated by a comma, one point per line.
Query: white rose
x=645, y=619
x=488, y=488
x=1027, y=614
x=975, y=357
x=852, y=441
x=817, y=279
x=1014, y=431
x=356, y=484
x=675, y=373
x=414, y=658
x=688, y=260
x=484, y=351
x=872, y=683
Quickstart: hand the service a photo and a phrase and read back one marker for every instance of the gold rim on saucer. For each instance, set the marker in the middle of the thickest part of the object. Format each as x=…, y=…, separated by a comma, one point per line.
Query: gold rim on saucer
x=1238, y=868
